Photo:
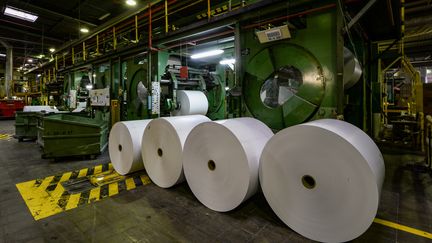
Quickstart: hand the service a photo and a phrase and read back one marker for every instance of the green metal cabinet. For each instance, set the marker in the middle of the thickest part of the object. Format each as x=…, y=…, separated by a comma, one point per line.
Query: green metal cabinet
x=67, y=135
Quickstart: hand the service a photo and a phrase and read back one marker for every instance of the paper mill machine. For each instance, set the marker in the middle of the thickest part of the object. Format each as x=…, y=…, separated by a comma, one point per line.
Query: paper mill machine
x=290, y=69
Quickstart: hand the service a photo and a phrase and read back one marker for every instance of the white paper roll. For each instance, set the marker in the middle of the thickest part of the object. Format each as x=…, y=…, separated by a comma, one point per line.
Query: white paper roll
x=125, y=146
x=221, y=161
x=162, y=148
x=323, y=179
x=191, y=103
x=39, y=108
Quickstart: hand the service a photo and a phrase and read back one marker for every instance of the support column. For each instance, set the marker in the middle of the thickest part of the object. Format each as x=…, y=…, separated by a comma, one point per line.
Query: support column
x=9, y=66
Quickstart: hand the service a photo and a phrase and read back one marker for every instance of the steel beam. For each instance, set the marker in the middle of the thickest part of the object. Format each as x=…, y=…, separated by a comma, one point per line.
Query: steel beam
x=31, y=33
x=52, y=12
x=360, y=14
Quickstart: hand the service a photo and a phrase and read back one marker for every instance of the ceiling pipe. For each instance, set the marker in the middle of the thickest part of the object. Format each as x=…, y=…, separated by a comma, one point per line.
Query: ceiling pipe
x=9, y=66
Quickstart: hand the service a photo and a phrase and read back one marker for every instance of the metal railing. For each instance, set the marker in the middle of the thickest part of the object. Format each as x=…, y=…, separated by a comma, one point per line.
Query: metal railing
x=428, y=141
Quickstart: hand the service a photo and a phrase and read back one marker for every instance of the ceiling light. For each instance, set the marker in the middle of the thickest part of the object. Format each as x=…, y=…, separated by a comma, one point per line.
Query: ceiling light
x=227, y=61
x=207, y=54
x=131, y=2
x=2, y=55
x=39, y=75
x=52, y=50
x=89, y=86
x=30, y=60
x=84, y=30
x=20, y=14
x=104, y=16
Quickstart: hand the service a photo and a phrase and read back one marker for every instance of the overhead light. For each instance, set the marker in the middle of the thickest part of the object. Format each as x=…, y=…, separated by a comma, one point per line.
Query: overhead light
x=52, y=50
x=84, y=30
x=104, y=16
x=38, y=75
x=2, y=55
x=89, y=86
x=227, y=61
x=20, y=14
x=94, y=75
x=30, y=60
x=207, y=54
x=131, y=2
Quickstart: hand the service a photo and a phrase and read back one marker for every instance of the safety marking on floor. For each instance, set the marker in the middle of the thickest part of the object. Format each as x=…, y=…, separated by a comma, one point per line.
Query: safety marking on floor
x=5, y=136
x=55, y=194
x=403, y=228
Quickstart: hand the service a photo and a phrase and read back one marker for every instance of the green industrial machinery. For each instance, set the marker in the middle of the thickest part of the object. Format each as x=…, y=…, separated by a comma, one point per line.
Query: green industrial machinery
x=290, y=81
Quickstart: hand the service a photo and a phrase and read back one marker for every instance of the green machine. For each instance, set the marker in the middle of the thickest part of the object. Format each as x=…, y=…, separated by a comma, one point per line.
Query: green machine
x=291, y=80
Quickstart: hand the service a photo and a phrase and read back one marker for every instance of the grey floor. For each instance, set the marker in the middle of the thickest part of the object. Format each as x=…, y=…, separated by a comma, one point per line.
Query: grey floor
x=151, y=214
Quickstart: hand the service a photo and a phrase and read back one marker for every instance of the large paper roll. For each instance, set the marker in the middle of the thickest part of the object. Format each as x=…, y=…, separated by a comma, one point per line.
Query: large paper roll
x=39, y=108
x=191, y=103
x=323, y=179
x=221, y=161
x=162, y=148
x=125, y=146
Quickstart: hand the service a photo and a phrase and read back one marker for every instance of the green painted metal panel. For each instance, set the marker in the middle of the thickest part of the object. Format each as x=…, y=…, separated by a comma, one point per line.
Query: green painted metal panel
x=311, y=51
x=67, y=135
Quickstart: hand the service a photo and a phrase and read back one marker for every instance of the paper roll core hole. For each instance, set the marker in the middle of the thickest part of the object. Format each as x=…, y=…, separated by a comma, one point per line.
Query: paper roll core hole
x=120, y=147
x=211, y=165
x=308, y=181
x=160, y=152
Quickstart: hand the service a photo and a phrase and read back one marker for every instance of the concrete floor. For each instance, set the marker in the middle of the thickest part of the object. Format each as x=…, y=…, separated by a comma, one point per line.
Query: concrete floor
x=152, y=214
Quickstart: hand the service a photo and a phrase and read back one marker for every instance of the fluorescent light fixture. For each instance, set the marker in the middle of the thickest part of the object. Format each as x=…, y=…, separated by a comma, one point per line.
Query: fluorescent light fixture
x=30, y=60
x=2, y=55
x=207, y=54
x=84, y=30
x=89, y=86
x=20, y=14
x=104, y=16
x=38, y=75
x=52, y=50
x=131, y=2
x=227, y=61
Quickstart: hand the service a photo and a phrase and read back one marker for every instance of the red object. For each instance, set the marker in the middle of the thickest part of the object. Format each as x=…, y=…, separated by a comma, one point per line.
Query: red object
x=9, y=107
x=184, y=72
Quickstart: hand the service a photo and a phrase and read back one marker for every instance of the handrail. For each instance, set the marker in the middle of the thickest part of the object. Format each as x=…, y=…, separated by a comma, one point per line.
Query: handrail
x=428, y=141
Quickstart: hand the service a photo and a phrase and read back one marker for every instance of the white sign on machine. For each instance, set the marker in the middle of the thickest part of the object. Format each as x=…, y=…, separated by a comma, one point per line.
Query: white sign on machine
x=100, y=97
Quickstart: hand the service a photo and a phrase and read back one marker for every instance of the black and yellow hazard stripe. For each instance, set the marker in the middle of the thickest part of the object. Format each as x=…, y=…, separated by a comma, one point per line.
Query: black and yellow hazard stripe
x=5, y=136
x=46, y=197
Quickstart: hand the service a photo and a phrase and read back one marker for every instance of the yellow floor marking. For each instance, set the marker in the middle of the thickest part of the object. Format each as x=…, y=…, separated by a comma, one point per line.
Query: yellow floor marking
x=97, y=169
x=82, y=172
x=112, y=189
x=58, y=191
x=45, y=183
x=145, y=179
x=73, y=201
x=40, y=203
x=130, y=184
x=94, y=195
x=403, y=228
x=43, y=201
